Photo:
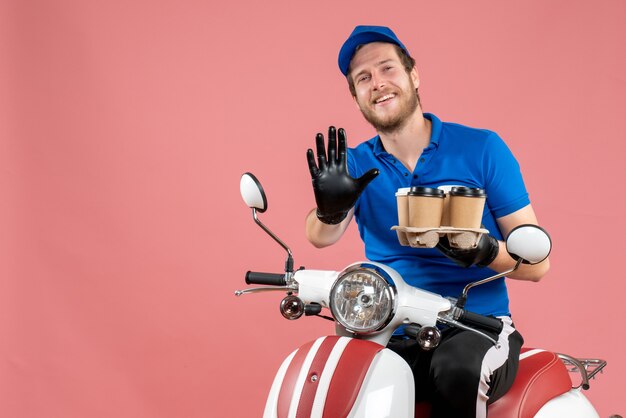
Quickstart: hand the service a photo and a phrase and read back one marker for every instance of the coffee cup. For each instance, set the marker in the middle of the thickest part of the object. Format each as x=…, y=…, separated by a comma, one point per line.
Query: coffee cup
x=425, y=207
x=445, y=216
x=402, y=199
x=466, y=207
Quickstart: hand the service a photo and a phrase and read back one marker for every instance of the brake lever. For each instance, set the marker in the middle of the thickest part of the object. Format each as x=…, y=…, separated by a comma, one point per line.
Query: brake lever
x=264, y=289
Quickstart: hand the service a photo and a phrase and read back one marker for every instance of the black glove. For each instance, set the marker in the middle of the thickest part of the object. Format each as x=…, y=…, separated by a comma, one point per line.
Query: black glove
x=482, y=255
x=335, y=191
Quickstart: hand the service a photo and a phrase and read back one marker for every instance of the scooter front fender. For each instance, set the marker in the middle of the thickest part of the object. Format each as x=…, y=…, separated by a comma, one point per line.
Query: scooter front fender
x=342, y=377
x=572, y=404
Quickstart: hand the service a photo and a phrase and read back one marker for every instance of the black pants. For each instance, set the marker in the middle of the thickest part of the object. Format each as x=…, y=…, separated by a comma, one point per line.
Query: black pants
x=465, y=372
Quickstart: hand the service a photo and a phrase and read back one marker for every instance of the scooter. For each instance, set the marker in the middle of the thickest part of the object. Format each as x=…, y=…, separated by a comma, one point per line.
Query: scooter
x=352, y=374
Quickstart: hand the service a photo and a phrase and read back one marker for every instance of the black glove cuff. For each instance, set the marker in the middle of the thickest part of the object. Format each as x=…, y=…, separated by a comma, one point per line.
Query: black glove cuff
x=494, y=249
x=333, y=219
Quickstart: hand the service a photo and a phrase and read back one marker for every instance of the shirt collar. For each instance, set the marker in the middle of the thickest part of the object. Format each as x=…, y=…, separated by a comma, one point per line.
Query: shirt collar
x=434, y=135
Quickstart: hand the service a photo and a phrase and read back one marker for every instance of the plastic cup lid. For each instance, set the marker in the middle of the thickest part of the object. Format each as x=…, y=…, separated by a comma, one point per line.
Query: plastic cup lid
x=403, y=191
x=467, y=192
x=426, y=191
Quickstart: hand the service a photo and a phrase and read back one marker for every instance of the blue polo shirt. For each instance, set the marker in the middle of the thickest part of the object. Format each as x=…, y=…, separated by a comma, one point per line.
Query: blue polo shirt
x=457, y=155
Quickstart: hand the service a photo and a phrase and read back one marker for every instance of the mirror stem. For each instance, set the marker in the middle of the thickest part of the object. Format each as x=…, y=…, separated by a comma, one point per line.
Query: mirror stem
x=289, y=262
x=463, y=298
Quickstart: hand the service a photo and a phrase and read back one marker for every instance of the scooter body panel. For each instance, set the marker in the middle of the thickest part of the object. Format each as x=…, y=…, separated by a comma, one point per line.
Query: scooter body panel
x=388, y=390
x=271, y=406
x=342, y=377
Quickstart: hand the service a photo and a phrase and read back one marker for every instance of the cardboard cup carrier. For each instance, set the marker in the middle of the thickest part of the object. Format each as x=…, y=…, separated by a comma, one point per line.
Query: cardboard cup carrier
x=424, y=214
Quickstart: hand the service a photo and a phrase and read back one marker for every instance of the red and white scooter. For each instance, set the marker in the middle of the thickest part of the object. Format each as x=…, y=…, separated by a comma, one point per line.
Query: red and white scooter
x=352, y=374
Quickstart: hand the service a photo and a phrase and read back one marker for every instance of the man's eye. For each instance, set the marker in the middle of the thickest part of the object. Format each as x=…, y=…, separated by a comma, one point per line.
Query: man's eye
x=363, y=78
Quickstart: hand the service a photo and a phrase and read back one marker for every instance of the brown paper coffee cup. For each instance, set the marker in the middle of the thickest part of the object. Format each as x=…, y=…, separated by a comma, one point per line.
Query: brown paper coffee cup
x=425, y=207
x=466, y=207
x=403, y=213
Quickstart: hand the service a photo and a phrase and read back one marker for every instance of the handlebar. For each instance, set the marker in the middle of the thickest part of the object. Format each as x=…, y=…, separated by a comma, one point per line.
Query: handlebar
x=272, y=279
x=486, y=323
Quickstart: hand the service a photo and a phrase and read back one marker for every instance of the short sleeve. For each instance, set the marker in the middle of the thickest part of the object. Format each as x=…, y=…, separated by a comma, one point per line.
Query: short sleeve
x=504, y=185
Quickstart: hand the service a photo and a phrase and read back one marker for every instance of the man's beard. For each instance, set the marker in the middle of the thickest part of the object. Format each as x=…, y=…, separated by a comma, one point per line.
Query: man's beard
x=395, y=122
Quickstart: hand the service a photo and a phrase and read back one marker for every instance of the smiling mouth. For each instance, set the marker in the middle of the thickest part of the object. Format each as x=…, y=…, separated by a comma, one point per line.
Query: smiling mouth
x=384, y=98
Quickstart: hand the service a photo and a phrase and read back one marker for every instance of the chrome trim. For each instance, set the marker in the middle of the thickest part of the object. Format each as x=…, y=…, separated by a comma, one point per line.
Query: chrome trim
x=489, y=279
x=587, y=368
x=379, y=272
x=300, y=307
x=289, y=261
x=270, y=233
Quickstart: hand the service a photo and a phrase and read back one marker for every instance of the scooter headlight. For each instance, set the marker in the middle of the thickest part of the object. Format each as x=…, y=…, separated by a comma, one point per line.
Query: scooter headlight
x=363, y=299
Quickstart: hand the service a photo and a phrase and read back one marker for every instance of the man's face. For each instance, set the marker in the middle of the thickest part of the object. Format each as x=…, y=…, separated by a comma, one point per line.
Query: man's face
x=385, y=92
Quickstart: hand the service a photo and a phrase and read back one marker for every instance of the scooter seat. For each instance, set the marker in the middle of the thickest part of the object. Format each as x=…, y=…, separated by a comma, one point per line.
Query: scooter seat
x=541, y=377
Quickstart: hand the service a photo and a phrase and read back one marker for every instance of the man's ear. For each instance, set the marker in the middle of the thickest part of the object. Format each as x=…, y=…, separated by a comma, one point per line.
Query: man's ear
x=415, y=77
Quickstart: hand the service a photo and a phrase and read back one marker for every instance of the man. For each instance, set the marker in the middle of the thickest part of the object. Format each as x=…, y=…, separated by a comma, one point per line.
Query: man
x=412, y=148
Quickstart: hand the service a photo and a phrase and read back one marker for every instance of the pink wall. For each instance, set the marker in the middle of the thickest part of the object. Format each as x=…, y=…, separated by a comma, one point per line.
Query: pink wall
x=124, y=129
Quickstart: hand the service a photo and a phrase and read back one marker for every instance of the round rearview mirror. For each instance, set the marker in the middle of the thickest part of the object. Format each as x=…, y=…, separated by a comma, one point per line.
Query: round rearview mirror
x=252, y=192
x=530, y=243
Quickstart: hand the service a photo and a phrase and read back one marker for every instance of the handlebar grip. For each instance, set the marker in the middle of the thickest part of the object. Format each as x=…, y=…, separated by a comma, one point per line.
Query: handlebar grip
x=273, y=279
x=487, y=323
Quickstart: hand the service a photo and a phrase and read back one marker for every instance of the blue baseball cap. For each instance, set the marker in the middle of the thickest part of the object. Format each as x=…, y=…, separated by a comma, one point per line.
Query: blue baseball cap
x=364, y=35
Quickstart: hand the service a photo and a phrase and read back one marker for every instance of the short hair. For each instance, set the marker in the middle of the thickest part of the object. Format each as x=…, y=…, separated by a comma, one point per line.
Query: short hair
x=407, y=61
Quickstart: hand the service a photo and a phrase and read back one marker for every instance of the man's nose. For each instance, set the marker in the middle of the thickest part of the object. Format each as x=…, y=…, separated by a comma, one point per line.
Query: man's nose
x=377, y=81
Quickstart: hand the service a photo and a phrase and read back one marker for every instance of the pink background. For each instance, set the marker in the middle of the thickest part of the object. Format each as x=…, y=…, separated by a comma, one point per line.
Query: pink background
x=125, y=127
